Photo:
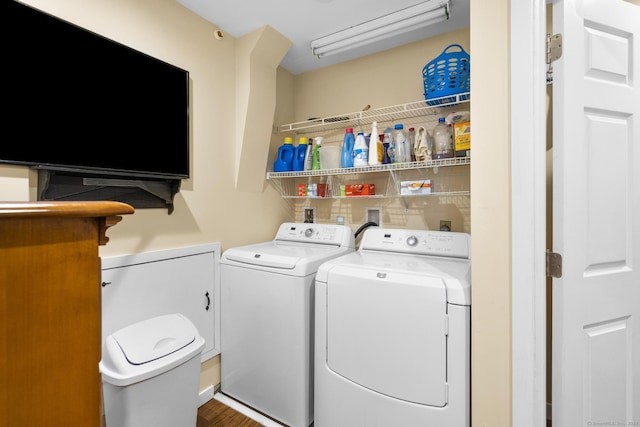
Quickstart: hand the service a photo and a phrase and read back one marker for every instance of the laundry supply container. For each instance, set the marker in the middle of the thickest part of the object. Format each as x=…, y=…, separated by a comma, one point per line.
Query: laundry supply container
x=150, y=373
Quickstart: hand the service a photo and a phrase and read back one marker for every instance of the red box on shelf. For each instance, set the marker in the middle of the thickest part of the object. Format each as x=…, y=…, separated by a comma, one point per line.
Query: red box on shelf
x=360, y=190
x=322, y=190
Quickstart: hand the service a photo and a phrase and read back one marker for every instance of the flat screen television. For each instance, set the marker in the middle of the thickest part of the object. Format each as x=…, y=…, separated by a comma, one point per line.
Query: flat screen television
x=76, y=101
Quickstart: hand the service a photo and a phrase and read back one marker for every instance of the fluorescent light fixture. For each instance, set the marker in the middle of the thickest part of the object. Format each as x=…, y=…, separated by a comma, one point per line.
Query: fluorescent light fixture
x=400, y=22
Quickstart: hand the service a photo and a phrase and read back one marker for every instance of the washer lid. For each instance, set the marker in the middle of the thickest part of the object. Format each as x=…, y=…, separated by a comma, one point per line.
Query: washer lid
x=267, y=254
x=154, y=338
x=298, y=249
x=293, y=258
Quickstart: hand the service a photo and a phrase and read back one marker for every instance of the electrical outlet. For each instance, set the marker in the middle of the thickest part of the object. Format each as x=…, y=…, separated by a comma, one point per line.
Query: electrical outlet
x=309, y=214
x=375, y=215
x=445, y=225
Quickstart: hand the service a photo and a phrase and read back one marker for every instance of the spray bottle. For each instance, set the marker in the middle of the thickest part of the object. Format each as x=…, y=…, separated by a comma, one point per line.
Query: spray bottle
x=317, y=145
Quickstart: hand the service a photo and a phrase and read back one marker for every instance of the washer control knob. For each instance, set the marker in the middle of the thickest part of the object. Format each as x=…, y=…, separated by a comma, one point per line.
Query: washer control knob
x=412, y=240
x=308, y=232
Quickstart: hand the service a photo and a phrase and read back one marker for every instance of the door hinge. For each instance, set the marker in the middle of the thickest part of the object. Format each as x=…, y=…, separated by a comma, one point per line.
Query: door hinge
x=554, y=264
x=554, y=52
x=554, y=47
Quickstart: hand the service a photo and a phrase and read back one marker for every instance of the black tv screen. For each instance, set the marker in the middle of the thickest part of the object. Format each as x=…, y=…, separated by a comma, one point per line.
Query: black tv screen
x=77, y=101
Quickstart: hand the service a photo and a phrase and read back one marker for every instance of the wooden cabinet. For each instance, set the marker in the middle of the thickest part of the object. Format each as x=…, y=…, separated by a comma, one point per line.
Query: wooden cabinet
x=50, y=311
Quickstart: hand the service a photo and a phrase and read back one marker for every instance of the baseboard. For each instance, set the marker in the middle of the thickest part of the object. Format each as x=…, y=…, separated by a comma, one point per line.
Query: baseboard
x=206, y=395
x=245, y=410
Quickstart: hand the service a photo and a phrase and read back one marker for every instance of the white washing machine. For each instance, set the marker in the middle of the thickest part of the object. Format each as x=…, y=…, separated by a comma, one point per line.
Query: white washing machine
x=392, y=332
x=267, y=318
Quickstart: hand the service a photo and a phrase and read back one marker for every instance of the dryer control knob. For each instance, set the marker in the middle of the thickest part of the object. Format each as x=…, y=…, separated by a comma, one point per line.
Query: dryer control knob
x=412, y=240
x=308, y=232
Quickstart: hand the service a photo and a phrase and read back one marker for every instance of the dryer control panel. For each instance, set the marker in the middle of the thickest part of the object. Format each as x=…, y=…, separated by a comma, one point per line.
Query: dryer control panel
x=419, y=242
x=329, y=234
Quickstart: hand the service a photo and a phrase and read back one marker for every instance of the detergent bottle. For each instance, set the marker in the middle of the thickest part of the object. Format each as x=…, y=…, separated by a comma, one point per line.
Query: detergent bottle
x=300, y=151
x=346, y=159
x=284, y=161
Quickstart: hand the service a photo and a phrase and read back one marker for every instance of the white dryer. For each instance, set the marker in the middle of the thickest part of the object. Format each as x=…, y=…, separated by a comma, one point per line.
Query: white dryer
x=392, y=332
x=267, y=318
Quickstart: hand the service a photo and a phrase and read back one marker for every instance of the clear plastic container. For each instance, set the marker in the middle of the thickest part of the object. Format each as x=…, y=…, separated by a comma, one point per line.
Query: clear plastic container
x=442, y=140
x=399, y=142
x=330, y=157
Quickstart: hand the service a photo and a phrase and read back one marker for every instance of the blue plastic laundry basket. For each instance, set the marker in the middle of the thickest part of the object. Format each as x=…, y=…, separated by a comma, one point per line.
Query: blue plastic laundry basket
x=447, y=76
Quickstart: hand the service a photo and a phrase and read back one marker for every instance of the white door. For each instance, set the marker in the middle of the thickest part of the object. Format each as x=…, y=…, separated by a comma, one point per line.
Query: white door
x=596, y=214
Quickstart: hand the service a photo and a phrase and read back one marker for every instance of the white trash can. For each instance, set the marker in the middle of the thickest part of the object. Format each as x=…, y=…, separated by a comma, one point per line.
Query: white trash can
x=150, y=373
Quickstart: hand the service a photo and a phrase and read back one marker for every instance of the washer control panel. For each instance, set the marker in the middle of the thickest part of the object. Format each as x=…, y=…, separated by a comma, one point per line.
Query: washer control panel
x=331, y=234
x=420, y=242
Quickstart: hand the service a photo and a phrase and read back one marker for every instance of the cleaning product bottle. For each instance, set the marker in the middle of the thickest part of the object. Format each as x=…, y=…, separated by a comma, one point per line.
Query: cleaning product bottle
x=308, y=157
x=399, y=141
x=411, y=139
x=442, y=140
x=317, y=145
x=360, y=151
x=375, y=146
x=300, y=151
x=386, y=149
x=346, y=158
x=284, y=161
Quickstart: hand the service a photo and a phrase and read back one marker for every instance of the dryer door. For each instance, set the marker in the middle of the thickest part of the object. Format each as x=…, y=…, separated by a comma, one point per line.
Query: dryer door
x=386, y=331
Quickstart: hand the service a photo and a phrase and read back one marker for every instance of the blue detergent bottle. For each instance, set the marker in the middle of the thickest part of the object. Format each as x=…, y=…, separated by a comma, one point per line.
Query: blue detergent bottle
x=299, y=154
x=346, y=159
x=284, y=161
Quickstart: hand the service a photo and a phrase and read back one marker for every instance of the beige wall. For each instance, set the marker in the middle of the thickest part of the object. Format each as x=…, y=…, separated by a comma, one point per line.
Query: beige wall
x=491, y=215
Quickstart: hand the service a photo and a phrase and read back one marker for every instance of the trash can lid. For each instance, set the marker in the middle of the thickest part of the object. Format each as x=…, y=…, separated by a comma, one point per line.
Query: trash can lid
x=154, y=338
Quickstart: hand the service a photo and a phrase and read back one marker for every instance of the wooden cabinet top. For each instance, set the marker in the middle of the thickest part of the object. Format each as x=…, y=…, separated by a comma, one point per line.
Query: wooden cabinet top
x=105, y=213
x=63, y=209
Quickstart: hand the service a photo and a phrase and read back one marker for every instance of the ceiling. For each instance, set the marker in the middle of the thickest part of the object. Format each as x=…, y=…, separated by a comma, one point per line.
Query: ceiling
x=301, y=21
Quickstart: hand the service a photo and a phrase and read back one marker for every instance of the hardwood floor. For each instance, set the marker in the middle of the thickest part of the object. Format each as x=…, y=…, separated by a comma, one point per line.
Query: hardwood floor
x=217, y=414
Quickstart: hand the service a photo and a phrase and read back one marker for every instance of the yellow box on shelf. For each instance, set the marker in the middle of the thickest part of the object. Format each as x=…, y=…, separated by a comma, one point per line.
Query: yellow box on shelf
x=462, y=138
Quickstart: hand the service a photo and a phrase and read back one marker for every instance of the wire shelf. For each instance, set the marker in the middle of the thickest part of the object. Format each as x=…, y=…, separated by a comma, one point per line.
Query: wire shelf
x=388, y=114
x=454, y=161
